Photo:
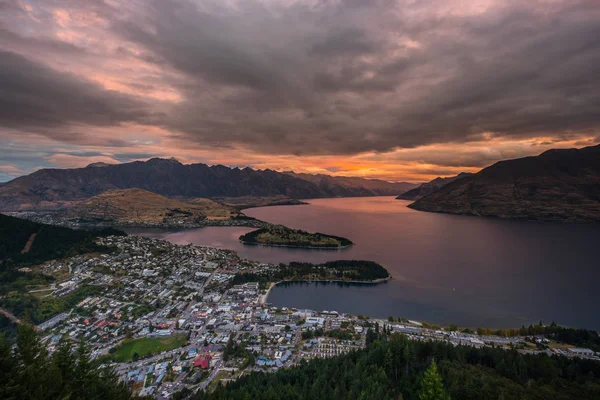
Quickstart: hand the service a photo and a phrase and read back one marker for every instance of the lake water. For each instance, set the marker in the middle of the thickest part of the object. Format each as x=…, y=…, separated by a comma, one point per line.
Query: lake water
x=447, y=269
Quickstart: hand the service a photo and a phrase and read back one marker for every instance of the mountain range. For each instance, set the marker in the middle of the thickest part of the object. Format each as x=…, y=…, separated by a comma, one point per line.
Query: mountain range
x=558, y=185
x=56, y=188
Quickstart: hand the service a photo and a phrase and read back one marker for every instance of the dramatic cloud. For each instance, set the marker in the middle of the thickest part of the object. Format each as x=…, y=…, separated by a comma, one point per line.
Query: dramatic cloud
x=35, y=97
x=394, y=89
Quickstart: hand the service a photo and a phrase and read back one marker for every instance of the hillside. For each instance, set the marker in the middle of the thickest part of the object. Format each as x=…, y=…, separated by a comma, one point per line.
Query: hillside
x=558, y=185
x=27, y=242
x=142, y=206
x=429, y=187
x=55, y=188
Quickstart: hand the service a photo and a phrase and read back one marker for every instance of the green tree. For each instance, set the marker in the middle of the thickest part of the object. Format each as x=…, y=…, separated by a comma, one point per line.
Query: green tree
x=432, y=387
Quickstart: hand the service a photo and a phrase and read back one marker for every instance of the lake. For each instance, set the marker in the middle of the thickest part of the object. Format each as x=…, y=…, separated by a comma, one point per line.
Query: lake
x=447, y=269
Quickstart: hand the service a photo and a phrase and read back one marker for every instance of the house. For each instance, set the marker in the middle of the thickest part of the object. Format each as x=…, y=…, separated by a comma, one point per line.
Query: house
x=315, y=321
x=581, y=352
x=192, y=353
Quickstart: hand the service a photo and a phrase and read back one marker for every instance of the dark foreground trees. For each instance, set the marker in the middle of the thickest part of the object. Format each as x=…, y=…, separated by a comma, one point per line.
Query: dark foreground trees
x=397, y=368
x=29, y=372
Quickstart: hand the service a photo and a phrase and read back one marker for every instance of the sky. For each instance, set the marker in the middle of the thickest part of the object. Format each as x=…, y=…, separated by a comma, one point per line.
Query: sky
x=403, y=90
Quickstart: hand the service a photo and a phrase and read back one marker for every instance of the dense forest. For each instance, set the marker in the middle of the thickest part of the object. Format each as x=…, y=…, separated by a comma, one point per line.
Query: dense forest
x=396, y=367
x=28, y=372
x=349, y=270
x=50, y=242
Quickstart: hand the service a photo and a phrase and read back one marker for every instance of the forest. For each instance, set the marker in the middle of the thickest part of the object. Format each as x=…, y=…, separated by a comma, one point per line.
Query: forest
x=50, y=242
x=394, y=367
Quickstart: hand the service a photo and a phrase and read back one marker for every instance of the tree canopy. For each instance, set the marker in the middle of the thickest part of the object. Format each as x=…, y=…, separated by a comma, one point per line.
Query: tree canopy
x=29, y=372
x=394, y=367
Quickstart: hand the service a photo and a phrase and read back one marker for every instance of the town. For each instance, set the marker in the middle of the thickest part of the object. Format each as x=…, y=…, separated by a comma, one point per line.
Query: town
x=170, y=318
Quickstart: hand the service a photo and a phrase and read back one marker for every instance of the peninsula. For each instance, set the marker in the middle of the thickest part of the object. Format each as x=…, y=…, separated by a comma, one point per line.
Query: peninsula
x=279, y=235
x=350, y=271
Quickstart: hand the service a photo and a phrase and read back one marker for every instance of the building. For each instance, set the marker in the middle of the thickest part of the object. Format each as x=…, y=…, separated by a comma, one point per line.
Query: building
x=202, y=361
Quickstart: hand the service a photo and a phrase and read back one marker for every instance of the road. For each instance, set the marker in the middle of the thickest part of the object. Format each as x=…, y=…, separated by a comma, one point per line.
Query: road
x=28, y=244
x=203, y=385
x=10, y=316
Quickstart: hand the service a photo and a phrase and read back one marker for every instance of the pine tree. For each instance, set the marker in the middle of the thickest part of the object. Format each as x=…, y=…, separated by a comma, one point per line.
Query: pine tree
x=37, y=377
x=432, y=387
x=29, y=373
x=8, y=386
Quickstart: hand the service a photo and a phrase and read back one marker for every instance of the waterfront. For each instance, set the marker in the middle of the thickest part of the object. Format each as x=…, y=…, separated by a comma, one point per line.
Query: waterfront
x=466, y=270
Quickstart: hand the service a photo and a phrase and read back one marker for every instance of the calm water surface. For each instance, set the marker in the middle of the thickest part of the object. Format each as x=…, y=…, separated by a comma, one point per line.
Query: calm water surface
x=466, y=270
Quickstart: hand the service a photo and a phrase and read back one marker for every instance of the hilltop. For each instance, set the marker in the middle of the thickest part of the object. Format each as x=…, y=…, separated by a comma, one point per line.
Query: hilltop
x=558, y=185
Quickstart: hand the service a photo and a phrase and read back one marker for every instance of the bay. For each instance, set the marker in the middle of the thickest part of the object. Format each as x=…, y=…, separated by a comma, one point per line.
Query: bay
x=447, y=269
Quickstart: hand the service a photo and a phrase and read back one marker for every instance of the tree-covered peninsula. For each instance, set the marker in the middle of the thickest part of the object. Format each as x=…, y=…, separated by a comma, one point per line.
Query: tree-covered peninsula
x=341, y=270
x=279, y=235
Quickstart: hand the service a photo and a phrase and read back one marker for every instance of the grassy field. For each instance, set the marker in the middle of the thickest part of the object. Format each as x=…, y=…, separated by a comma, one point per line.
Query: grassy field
x=147, y=346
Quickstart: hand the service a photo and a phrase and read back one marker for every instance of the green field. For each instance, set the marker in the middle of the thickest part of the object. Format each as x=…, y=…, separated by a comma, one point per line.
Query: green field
x=145, y=347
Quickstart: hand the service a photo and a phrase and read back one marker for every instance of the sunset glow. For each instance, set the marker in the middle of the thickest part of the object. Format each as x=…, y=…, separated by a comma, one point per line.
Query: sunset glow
x=401, y=91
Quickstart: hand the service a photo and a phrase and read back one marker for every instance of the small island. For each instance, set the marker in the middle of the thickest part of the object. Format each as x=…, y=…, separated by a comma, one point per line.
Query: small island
x=279, y=235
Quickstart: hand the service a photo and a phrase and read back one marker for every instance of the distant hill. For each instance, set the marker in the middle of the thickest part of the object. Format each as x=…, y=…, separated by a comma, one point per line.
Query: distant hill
x=558, y=185
x=342, y=186
x=142, y=206
x=55, y=188
x=430, y=187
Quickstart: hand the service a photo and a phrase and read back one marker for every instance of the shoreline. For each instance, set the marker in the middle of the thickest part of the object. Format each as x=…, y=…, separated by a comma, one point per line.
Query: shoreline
x=264, y=297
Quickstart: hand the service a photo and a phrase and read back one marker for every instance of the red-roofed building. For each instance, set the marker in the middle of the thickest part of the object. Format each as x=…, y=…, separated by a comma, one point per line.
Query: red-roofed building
x=202, y=361
x=100, y=324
